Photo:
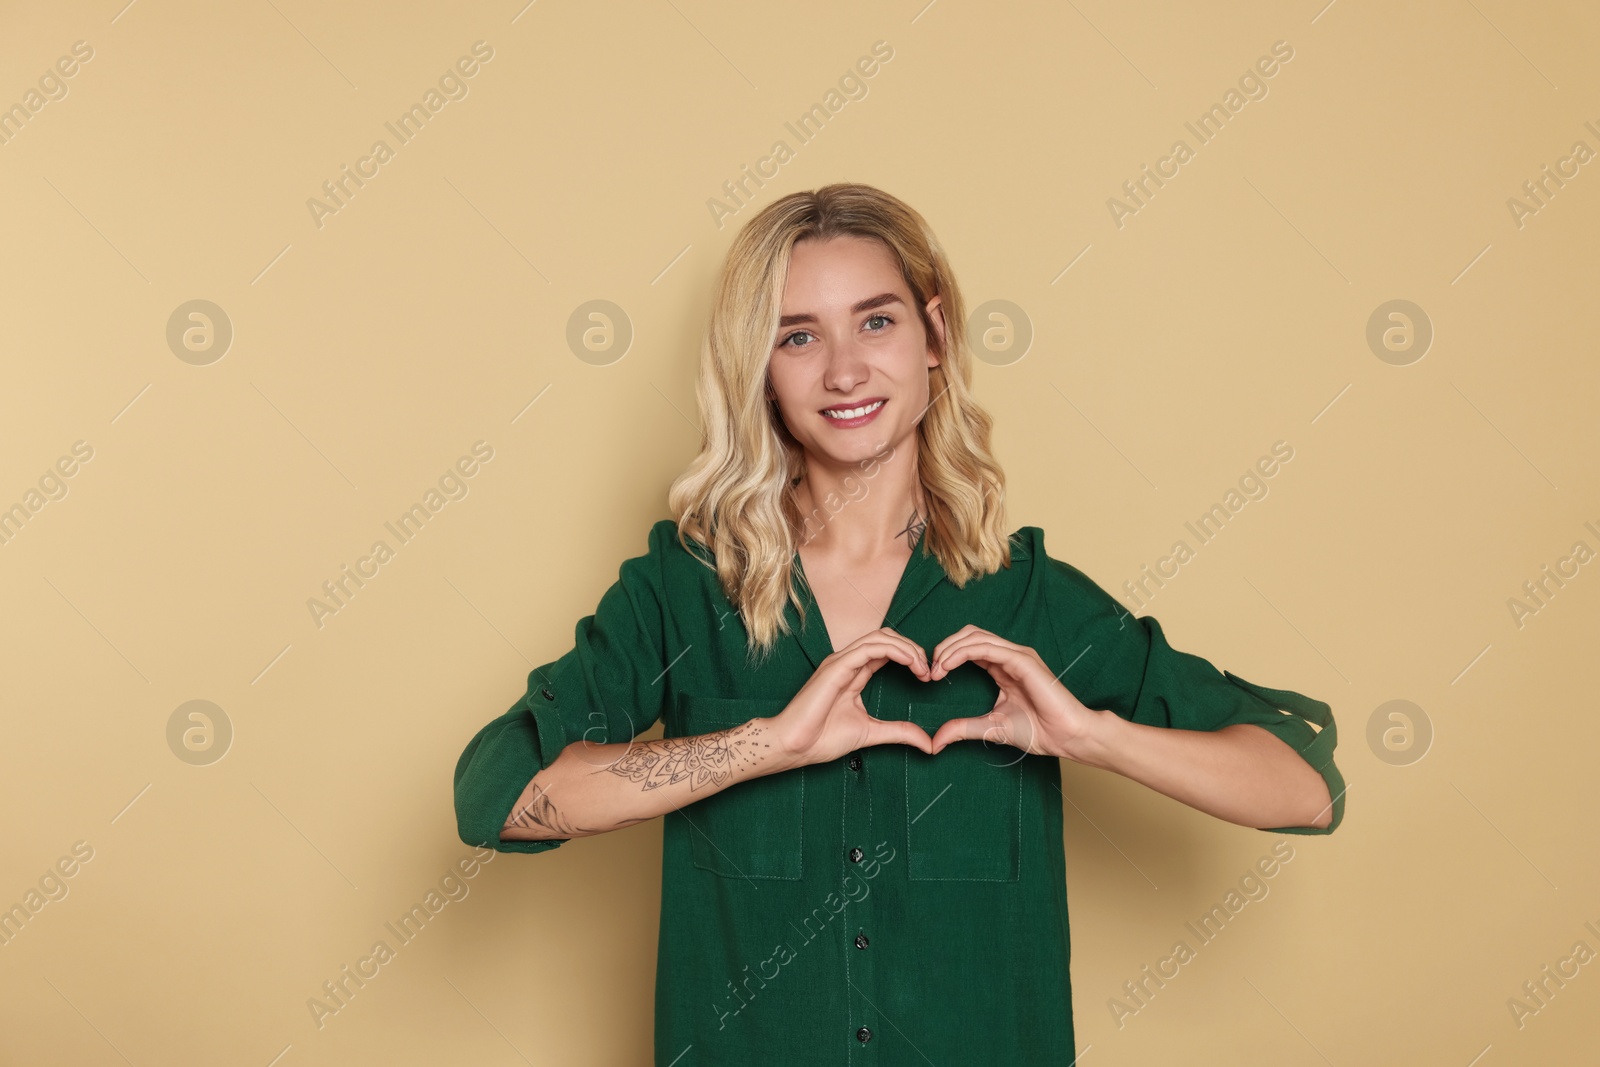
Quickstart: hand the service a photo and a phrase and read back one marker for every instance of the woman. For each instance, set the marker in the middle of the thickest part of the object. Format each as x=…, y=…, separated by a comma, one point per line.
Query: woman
x=867, y=687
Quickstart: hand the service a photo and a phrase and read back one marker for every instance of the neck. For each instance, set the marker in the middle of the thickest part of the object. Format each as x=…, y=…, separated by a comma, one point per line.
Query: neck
x=862, y=510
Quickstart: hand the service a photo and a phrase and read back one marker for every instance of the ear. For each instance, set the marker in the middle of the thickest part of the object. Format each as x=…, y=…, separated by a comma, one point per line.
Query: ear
x=935, y=308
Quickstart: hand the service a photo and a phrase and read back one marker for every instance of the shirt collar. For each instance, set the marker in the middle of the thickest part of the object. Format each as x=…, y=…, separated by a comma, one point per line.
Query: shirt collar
x=921, y=574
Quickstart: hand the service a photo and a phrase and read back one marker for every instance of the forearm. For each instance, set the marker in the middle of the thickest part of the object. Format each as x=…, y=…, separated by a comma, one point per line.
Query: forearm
x=593, y=789
x=1241, y=773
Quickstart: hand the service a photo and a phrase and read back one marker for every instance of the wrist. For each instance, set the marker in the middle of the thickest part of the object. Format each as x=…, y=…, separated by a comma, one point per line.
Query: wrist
x=1096, y=743
x=782, y=757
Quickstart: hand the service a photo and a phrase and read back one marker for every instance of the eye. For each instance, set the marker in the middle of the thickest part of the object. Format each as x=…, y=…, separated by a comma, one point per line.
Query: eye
x=886, y=319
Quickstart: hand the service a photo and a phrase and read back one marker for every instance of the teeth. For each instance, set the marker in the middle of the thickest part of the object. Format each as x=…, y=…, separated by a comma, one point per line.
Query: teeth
x=853, y=413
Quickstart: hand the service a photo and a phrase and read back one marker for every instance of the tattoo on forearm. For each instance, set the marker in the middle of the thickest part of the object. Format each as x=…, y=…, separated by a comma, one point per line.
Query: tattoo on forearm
x=707, y=758
x=541, y=814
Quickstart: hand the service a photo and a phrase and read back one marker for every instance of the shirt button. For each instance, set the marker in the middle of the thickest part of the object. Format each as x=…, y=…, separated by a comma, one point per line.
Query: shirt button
x=547, y=694
x=855, y=855
x=855, y=763
x=861, y=941
x=863, y=1035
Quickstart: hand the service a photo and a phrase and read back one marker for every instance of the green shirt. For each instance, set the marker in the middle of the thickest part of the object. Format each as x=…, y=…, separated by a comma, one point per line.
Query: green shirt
x=887, y=907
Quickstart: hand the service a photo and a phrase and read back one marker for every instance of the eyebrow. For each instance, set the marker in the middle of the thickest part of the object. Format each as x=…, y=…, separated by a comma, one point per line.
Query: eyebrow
x=868, y=304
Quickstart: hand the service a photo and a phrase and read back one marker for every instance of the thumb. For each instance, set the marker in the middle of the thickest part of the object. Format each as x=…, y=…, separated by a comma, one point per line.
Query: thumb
x=898, y=731
x=991, y=728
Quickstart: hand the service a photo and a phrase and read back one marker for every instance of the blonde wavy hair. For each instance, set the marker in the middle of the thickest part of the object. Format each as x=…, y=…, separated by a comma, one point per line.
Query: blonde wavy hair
x=737, y=498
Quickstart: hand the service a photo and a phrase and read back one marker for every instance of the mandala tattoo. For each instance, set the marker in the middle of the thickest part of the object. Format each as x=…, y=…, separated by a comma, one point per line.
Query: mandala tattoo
x=706, y=758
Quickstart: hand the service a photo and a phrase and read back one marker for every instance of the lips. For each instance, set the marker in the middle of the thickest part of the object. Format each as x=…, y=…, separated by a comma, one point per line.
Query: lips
x=858, y=412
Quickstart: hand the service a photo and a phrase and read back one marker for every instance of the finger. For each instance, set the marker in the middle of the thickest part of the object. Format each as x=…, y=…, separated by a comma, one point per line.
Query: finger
x=863, y=668
x=981, y=647
x=875, y=652
x=898, y=731
x=849, y=677
x=858, y=680
x=893, y=634
x=968, y=634
x=884, y=646
x=921, y=653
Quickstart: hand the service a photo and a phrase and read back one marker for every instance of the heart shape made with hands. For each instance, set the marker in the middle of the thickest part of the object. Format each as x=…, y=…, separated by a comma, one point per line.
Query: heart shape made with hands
x=1034, y=711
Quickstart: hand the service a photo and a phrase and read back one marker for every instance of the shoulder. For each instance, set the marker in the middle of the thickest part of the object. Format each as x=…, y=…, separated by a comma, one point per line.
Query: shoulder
x=662, y=569
x=1070, y=589
x=666, y=542
x=675, y=558
x=1086, y=623
x=662, y=551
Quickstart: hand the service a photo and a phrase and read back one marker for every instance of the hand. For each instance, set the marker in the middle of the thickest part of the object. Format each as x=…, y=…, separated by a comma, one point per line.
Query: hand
x=1034, y=712
x=826, y=718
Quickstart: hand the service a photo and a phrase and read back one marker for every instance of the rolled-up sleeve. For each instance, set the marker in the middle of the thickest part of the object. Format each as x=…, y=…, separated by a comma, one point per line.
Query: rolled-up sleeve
x=607, y=688
x=1125, y=664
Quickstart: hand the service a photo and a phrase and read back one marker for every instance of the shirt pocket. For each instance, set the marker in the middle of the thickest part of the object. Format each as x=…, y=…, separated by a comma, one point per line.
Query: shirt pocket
x=963, y=806
x=753, y=828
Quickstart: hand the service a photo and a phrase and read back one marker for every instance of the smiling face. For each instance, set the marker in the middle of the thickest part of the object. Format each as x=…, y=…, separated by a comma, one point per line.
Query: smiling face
x=850, y=362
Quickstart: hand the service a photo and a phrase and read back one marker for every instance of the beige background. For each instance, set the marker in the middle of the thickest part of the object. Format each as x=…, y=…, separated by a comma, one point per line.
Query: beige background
x=432, y=309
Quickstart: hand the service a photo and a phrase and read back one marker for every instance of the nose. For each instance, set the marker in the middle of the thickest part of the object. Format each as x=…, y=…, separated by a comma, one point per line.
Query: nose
x=846, y=368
